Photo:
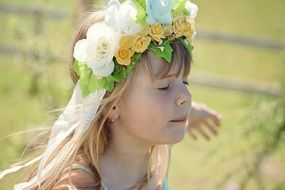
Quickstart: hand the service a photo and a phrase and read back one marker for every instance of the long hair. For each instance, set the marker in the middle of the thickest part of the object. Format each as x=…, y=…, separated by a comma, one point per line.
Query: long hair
x=95, y=140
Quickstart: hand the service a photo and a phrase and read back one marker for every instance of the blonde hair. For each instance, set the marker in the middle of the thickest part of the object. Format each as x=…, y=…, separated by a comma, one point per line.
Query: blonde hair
x=95, y=141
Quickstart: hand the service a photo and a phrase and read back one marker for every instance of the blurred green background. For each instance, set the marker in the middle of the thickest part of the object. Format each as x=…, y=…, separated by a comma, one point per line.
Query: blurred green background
x=249, y=151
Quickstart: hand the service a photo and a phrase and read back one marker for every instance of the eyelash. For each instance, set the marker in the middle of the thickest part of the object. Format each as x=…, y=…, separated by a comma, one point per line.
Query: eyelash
x=185, y=82
x=166, y=88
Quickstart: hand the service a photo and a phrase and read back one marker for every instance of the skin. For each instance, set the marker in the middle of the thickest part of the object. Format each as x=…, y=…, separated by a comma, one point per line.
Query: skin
x=133, y=134
x=202, y=119
x=142, y=119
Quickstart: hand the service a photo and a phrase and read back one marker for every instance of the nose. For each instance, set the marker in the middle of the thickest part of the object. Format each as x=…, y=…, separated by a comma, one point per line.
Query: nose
x=184, y=97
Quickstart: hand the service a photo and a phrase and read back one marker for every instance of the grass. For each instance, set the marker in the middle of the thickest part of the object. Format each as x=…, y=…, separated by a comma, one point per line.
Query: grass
x=255, y=18
x=201, y=164
x=195, y=164
x=239, y=62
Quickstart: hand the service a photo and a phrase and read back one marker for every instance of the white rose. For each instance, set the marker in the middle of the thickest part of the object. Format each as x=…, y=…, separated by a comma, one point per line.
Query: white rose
x=112, y=12
x=98, y=49
x=192, y=9
x=122, y=17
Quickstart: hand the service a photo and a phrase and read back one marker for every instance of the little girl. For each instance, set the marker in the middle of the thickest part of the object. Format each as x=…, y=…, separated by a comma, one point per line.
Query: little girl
x=130, y=101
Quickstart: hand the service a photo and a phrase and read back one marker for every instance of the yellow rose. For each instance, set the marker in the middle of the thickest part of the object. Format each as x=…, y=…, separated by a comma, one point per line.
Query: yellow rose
x=171, y=37
x=176, y=15
x=141, y=43
x=189, y=35
x=156, y=32
x=126, y=42
x=123, y=56
x=145, y=31
x=168, y=30
x=183, y=27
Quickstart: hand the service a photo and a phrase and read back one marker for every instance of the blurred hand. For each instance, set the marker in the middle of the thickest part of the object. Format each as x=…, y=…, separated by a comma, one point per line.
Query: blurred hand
x=200, y=116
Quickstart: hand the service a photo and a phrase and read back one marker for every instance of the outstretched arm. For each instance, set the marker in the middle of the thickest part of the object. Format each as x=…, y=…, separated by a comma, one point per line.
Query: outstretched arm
x=201, y=115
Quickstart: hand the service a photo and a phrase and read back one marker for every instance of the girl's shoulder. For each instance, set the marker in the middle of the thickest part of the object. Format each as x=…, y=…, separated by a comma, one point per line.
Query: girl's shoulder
x=78, y=178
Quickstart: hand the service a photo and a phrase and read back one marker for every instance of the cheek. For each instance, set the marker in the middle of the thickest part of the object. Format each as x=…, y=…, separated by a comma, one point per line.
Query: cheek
x=148, y=111
x=162, y=104
x=155, y=110
x=147, y=116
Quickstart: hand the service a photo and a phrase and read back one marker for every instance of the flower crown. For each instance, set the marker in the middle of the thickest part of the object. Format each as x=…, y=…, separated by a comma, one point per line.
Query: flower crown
x=112, y=47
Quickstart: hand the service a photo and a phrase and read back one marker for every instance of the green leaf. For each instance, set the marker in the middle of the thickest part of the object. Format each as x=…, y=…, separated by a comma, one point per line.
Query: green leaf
x=93, y=83
x=180, y=7
x=109, y=83
x=164, y=50
x=85, y=73
x=101, y=83
x=187, y=44
x=129, y=69
x=89, y=82
x=118, y=74
x=75, y=67
x=141, y=11
x=136, y=57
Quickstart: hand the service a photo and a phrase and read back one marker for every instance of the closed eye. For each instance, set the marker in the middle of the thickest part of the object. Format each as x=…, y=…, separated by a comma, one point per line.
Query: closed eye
x=164, y=88
x=186, y=82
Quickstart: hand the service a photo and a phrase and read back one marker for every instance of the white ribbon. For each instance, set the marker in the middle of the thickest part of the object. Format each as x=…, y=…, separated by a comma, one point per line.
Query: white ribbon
x=76, y=118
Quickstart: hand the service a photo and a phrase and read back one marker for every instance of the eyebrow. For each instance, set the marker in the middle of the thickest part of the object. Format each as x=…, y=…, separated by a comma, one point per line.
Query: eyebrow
x=169, y=77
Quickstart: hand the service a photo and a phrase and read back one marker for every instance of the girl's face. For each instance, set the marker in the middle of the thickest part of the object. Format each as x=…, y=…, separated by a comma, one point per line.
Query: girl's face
x=147, y=108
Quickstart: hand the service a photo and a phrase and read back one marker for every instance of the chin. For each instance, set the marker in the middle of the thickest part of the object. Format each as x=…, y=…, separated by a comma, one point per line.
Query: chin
x=177, y=139
x=176, y=136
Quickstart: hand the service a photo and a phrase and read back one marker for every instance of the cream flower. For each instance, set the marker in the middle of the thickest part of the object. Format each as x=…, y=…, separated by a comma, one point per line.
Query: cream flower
x=156, y=32
x=98, y=49
x=122, y=17
x=141, y=43
x=183, y=27
x=123, y=56
x=192, y=9
x=126, y=42
x=168, y=30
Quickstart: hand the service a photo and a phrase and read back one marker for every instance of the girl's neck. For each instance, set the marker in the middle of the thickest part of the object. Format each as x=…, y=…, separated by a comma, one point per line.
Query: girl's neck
x=125, y=162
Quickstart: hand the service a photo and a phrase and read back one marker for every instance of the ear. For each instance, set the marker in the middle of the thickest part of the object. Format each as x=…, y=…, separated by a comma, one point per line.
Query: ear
x=114, y=113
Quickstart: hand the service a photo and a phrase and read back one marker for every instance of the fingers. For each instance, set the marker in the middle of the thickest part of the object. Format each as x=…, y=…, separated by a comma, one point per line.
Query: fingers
x=212, y=127
x=201, y=115
x=202, y=132
x=194, y=123
x=192, y=135
x=215, y=117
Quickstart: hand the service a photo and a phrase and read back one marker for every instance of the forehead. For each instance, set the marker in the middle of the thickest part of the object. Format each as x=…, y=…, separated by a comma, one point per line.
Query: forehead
x=157, y=64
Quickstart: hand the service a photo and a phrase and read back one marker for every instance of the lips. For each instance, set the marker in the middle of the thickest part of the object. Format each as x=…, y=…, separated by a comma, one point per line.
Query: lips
x=180, y=119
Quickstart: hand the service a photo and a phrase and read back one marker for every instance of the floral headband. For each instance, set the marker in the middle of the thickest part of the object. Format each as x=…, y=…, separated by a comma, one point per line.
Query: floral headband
x=109, y=52
x=112, y=47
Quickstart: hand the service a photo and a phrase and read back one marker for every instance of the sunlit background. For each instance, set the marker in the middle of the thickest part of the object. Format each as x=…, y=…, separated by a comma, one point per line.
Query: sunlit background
x=239, y=70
